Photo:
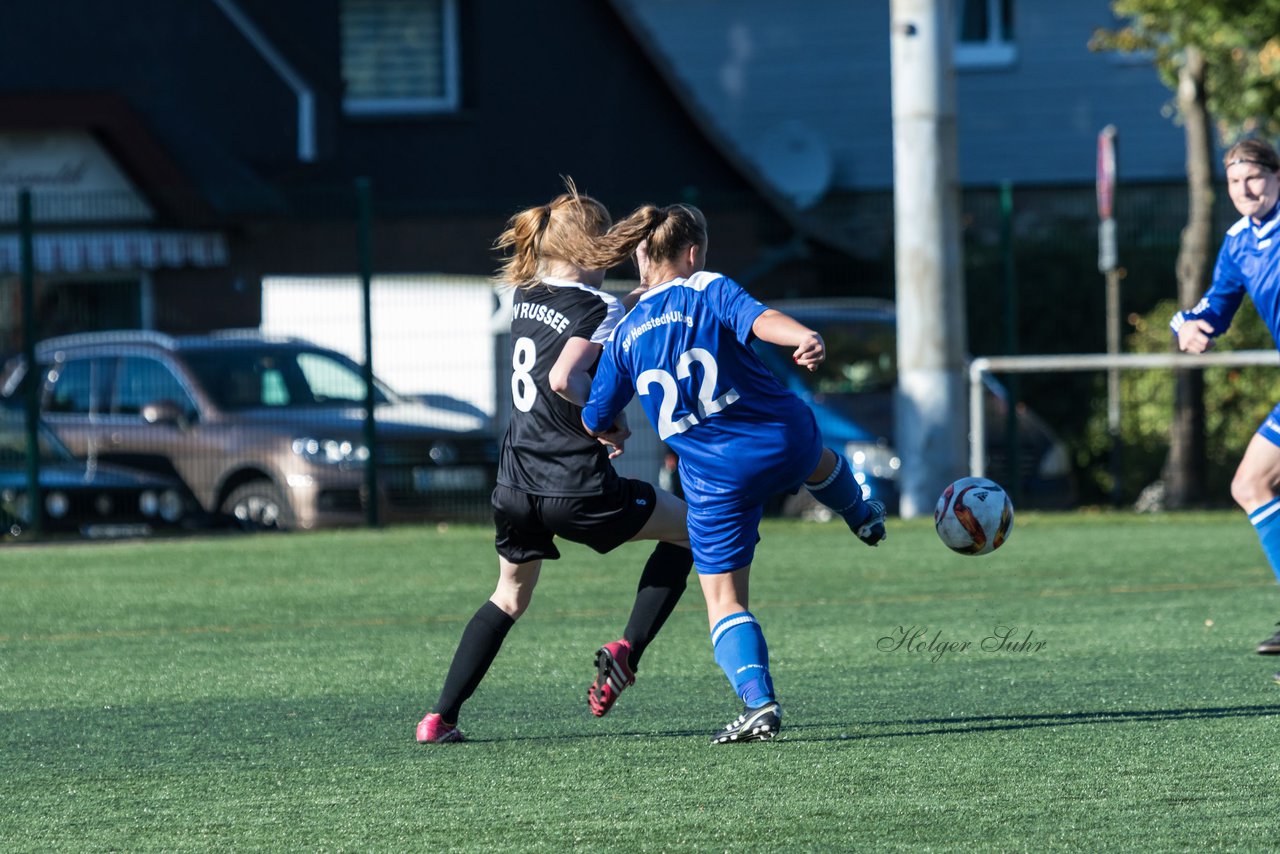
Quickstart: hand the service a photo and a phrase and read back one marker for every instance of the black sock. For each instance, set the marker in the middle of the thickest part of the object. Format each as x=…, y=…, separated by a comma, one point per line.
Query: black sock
x=481, y=640
x=661, y=585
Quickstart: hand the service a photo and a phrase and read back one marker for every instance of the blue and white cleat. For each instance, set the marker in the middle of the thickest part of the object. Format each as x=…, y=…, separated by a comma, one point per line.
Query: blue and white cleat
x=872, y=531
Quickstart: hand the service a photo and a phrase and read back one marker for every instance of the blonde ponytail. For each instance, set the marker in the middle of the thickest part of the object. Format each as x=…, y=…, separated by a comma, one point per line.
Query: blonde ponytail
x=562, y=230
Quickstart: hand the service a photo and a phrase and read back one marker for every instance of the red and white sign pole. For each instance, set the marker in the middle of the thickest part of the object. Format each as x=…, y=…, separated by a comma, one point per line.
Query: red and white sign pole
x=1106, y=188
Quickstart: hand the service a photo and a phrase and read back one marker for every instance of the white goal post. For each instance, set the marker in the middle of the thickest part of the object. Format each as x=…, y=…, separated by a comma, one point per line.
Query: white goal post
x=981, y=366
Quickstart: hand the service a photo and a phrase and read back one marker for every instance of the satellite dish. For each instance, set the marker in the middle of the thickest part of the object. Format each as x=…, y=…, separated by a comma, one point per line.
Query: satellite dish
x=796, y=159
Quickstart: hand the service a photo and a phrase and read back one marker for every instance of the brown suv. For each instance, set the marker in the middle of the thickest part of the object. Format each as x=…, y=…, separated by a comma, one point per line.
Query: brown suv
x=265, y=431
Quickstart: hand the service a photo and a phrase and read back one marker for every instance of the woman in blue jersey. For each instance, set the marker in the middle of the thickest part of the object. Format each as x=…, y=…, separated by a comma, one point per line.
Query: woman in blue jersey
x=554, y=480
x=1248, y=262
x=740, y=435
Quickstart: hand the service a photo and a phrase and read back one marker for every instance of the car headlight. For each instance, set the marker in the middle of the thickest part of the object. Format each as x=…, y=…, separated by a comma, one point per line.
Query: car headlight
x=148, y=503
x=443, y=453
x=14, y=503
x=171, y=505
x=330, y=451
x=873, y=459
x=56, y=504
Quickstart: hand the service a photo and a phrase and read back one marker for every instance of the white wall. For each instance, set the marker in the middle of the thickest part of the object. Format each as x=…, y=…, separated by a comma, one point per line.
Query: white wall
x=431, y=334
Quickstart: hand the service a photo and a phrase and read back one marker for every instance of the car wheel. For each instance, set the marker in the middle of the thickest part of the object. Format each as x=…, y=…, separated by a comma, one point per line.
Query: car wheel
x=258, y=506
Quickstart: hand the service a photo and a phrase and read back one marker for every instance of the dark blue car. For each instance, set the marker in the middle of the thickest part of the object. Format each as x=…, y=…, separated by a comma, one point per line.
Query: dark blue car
x=852, y=397
x=87, y=497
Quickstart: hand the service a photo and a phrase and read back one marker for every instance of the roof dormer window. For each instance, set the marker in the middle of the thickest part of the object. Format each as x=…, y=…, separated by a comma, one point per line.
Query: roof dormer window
x=400, y=56
x=984, y=34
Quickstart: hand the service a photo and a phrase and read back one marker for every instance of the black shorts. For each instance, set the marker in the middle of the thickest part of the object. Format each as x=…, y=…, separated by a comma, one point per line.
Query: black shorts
x=527, y=524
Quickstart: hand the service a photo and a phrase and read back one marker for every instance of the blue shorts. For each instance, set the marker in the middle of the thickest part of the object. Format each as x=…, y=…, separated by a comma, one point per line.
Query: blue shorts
x=724, y=515
x=1270, y=428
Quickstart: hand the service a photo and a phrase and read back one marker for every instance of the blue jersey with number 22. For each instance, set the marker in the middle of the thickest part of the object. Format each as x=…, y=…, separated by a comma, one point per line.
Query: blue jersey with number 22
x=741, y=436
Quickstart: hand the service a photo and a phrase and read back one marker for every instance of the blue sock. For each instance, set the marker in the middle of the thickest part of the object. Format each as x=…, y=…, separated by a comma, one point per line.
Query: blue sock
x=742, y=654
x=842, y=494
x=1266, y=521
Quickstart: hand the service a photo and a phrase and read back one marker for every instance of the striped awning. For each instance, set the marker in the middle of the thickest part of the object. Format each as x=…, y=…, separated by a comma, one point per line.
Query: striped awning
x=78, y=252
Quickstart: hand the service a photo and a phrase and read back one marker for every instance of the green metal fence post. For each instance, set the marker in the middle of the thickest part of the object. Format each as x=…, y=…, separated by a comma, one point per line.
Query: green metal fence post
x=1010, y=339
x=26, y=252
x=364, y=225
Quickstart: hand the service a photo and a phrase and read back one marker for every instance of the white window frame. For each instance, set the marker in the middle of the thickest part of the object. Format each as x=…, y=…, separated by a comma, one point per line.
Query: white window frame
x=447, y=103
x=995, y=51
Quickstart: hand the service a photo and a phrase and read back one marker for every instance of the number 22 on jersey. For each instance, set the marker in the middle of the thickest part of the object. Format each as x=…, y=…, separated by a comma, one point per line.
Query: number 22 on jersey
x=666, y=424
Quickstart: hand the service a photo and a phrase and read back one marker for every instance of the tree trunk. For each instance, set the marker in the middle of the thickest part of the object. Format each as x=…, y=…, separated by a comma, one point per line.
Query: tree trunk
x=1185, y=468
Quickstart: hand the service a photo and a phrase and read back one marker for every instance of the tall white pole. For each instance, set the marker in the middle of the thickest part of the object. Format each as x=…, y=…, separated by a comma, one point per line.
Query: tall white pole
x=931, y=412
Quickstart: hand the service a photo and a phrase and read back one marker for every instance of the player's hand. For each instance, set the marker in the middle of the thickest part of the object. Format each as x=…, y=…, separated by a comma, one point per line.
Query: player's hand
x=615, y=438
x=1193, y=336
x=811, y=352
x=617, y=444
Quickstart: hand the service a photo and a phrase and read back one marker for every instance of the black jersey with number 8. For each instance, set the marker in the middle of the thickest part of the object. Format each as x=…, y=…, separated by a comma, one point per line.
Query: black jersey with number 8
x=546, y=451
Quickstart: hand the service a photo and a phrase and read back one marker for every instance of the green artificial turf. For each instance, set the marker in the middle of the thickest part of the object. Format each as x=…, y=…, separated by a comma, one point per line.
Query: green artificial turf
x=260, y=693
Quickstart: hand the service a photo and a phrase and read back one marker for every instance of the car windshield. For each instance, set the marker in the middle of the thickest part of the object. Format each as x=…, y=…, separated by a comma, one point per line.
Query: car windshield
x=246, y=378
x=13, y=441
x=862, y=357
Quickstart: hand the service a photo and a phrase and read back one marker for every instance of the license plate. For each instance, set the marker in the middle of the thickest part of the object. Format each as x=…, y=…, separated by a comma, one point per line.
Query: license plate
x=110, y=532
x=430, y=479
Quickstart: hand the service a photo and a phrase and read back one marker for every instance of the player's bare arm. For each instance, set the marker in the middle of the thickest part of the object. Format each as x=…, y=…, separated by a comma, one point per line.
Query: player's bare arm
x=1193, y=336
x=777, y=328
x=570, y=376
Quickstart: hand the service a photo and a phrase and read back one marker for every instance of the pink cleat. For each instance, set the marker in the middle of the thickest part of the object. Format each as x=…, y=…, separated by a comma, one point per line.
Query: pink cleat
x=613, y=673
x=433, y=730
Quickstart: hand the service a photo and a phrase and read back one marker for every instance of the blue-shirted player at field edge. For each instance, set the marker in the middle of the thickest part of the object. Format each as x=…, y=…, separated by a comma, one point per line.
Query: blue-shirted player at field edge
x=740, y=435
x=1248, y=262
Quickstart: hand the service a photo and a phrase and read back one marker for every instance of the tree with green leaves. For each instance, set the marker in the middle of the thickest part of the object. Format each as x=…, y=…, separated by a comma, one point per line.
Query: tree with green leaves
x=1222, y=60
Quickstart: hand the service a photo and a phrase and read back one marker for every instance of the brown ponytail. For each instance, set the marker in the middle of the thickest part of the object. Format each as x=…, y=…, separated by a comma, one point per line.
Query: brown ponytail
x=669, y=230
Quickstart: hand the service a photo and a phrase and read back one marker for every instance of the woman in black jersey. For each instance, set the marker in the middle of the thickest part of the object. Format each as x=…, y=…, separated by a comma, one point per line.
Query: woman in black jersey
x=554, y=480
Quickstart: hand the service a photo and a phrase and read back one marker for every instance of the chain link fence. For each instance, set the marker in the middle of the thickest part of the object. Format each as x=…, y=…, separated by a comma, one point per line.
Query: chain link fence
x=216, y=376
x=197, y=370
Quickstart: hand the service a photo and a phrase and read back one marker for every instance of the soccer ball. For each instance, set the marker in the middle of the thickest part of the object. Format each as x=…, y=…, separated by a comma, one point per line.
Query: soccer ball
x=974, y=516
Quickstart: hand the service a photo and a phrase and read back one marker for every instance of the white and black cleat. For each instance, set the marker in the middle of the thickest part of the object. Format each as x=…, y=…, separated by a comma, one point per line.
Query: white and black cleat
x=759, y=724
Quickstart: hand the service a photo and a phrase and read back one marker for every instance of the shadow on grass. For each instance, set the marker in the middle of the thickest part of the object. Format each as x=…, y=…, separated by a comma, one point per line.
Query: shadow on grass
x=911, y=727
x=262, y=730
x=914, y=727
